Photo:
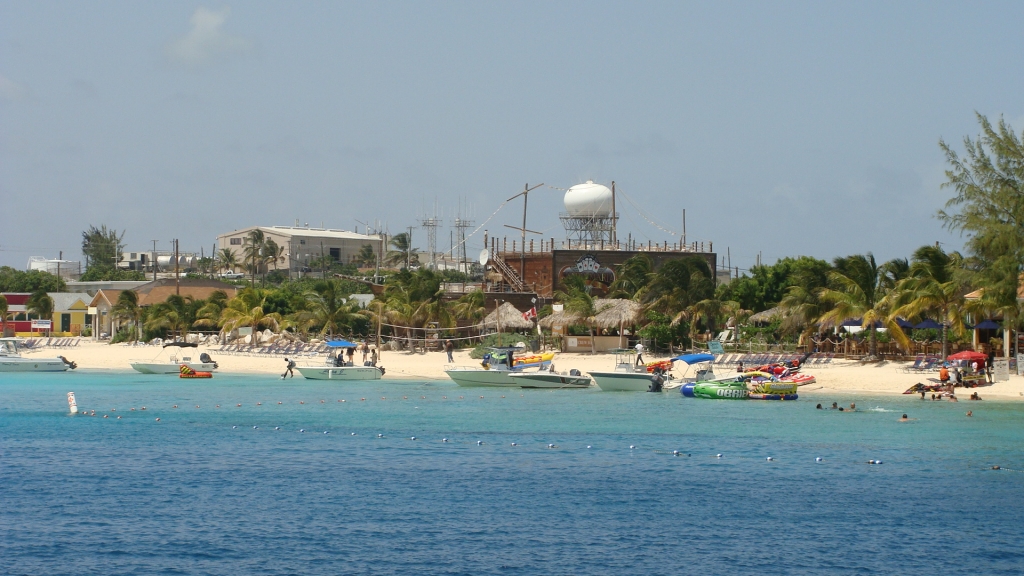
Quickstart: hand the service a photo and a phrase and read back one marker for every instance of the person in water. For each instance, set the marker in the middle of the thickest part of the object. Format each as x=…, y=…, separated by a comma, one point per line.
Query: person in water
x=835, y=405
x=818, y=407
x=853, y=407
x=970, y=413
x=904, y=419
x=289, y=369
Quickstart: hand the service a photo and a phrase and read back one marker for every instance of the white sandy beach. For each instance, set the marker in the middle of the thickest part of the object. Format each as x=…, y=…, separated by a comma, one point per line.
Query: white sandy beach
x=842, y=377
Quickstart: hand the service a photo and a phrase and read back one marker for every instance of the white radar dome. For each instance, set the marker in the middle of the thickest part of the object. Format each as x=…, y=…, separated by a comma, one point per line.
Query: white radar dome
x=588, y=200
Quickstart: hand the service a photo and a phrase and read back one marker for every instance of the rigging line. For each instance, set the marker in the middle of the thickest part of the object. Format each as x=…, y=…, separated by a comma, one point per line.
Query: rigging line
x=464, y=241
x=644, y=215
x=638, y=228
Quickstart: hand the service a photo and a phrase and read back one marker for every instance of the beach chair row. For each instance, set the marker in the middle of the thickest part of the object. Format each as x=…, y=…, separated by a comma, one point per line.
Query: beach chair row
x=757, y=359
x=923, y=363
x=34, y=343
x=298, y=349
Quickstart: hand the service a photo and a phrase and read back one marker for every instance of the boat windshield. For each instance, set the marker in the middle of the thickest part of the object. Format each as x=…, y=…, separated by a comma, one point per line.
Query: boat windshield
x=8, y=346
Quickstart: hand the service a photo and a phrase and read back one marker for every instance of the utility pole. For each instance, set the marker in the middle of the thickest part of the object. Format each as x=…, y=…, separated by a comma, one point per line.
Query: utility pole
x=60, y=256
x=323, y=270
x=177, y=278
x=154, y=261
x=408, y=251
x=684, y=226
x=615, y=220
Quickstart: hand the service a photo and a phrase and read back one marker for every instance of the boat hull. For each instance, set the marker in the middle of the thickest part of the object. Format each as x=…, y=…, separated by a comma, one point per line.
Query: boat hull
x=622, y=381
x=171, y=367
x=477, y=378
x=339, y=372
x=32, y=365
x=553, y=381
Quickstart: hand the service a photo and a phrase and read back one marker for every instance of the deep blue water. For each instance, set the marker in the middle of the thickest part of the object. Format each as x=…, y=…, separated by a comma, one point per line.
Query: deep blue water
x=203, y=492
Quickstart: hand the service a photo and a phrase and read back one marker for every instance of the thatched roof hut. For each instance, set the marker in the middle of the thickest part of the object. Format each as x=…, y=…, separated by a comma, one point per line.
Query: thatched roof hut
x=611, y=313
x=616, y=313
x=766, y=316
x=511, y=318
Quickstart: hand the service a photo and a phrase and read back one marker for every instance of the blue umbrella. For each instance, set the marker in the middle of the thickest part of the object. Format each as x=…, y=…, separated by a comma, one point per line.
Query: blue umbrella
x=928, y=323
x=988, y=325
x=340, y=344
x=852, y=322
x=694, y=358
x=904, y=323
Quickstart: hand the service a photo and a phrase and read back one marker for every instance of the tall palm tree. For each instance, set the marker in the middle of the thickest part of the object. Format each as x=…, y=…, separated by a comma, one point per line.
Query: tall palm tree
x=934, y=286
x=857, y=292
x=127, y=309
x=226, y=260
x=272, y=253
x=40, y=304
x=253, y=251
x=471, y=306
x=403, y=254
x=208, y=316
x=366, y=256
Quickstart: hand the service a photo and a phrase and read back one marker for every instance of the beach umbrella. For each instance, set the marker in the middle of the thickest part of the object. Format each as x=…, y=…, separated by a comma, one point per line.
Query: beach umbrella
x=340, y=344
x=927, y=324
x=511, y=318
x=904, y=323
x=852, y=322
x=694, y=358
x=969, y=355
x=988, y=325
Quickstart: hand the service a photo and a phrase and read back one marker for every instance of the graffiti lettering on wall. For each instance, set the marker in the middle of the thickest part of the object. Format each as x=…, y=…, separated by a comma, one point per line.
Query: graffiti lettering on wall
x=597, y=276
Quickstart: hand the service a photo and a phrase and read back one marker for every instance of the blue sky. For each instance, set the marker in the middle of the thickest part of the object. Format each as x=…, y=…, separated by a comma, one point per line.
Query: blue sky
x=785, y=128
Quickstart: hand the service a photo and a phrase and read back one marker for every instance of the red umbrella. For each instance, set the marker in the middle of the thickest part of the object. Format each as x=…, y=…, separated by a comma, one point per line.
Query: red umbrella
x=969, y=355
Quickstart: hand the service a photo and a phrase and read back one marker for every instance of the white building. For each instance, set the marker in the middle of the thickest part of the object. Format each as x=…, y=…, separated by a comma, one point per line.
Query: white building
x=303, y=245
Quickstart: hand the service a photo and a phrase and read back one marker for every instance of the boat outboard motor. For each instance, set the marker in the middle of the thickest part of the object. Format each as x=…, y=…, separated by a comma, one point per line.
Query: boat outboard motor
x=381, y=368
x=69, y=363
x=657, y=381
x=206, y=359
x=574, y=372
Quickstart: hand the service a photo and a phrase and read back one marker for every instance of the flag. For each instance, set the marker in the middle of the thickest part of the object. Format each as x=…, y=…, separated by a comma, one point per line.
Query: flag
x=530, y=314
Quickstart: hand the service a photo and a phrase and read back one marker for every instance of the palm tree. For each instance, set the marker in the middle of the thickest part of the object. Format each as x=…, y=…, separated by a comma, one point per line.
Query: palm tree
x=272, y=253
x=40, y=304
x=253, y=252
x=471, y=306
x=127, y=308
x=208, y=316
x=326, y=306
x=366, y=256
x=226, y=260
x=176, y=314
x=934, y=286
x=631, y=277
x=677, y=285
x=709, y=311
x=576, y=299
x=247, y=309
x=403, y=252
x=3, y=314
x=857, y=292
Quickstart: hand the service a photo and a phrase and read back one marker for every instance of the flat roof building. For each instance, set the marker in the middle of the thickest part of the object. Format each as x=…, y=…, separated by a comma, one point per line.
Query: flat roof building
x=303, y=245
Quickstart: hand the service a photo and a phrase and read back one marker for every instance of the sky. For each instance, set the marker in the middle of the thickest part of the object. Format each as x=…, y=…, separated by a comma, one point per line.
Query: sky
x=782, y=128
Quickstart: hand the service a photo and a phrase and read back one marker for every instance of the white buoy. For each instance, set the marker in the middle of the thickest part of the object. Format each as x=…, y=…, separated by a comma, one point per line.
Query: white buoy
x=72, y=404
x=514, y=444
x=769, y=458
x=412, y=438
x=277, y=427
x=326, y=432
x=718, y=455
x=302, y=429
x=631, y=447
x=551, y=445
x=479, y=442
x=818, y=459
x=233, y=427
x=588, y=447
x=675, y=452
x=353, y=433
x=444, y=439
x=255, y=427
x=380, y=435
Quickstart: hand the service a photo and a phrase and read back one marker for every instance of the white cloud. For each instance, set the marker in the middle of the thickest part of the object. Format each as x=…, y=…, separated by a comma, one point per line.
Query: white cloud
x=206, y=40
x=11, y=90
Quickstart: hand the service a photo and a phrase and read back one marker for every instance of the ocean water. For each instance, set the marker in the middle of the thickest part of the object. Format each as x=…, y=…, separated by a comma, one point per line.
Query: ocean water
x=592, y=486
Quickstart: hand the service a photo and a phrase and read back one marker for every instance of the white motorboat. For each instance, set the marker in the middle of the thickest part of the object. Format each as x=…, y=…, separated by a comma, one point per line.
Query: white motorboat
x=497, y=368
x=173, y=365
x=335, y=367
x=11, y=360
x=331, y=372
x=626, y=376
x=551, y=380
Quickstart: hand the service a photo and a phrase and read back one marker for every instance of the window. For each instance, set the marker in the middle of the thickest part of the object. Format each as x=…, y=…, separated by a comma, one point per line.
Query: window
x=302, y=241
x=236, y=241
x=336, y=254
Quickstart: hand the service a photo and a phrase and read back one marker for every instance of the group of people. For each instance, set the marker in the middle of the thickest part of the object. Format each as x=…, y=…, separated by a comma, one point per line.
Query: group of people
x=969, y=376
x=836, y=406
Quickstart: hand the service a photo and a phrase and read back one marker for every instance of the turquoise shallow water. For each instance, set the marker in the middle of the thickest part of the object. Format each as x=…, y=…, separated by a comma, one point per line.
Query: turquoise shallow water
x=204, y=492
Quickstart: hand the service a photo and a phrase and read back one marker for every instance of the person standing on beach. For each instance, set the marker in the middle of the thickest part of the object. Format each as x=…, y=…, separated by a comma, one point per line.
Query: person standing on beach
x=373, y=357
x=449, y=347
x=944, y=375
x=639, y=354
x=366, y=351
x=289, y=369
x=989, y=361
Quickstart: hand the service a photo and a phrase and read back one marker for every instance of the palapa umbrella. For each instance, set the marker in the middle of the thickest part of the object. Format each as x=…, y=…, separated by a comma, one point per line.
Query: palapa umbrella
x=928, y=323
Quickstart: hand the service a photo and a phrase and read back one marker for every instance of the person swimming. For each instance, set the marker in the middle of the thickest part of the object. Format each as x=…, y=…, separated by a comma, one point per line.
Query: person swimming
x=835, y=405
x=970, y=413
x=904, y=419
x=818, y=407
